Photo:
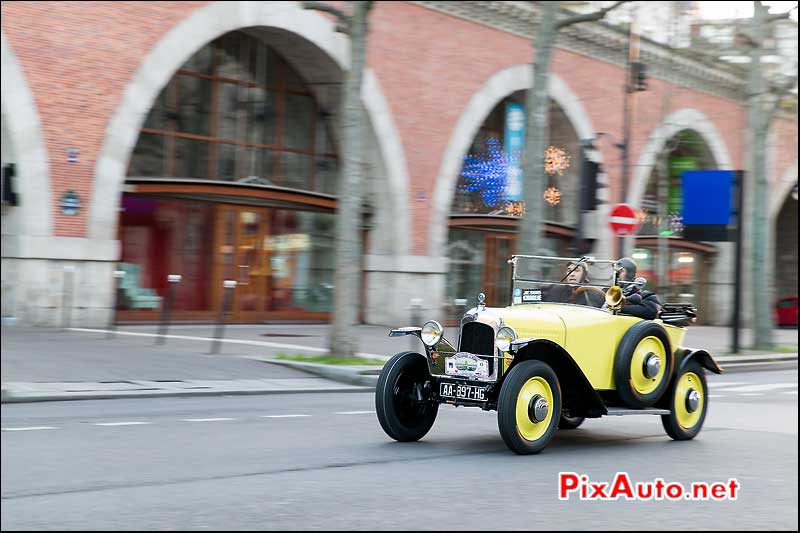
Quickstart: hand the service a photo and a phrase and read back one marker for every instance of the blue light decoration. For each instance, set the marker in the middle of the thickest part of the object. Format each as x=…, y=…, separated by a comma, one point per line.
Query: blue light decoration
x=485, y=173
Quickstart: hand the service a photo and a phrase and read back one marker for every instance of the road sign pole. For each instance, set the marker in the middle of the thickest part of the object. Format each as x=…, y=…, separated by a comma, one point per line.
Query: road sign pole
x=737, y=275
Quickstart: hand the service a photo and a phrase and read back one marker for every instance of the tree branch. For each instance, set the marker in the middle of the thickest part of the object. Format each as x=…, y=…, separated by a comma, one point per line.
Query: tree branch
x=588, y=17
x=780, y=90
x=325, y=8
x=779, y=16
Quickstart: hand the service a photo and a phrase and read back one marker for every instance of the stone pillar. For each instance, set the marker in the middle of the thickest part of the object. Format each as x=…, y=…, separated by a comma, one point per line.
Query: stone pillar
x=392, y=282
x=36, y=272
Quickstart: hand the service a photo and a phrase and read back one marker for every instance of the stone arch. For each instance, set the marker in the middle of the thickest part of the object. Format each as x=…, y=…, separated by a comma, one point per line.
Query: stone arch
x=782, y=189
x=682, y=119
x=22, y=124
x=178, y=44
x=500, y=85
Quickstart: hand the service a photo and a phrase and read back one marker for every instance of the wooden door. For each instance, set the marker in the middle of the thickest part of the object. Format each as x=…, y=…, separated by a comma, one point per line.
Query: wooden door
x=497, y=272
x=242, y=256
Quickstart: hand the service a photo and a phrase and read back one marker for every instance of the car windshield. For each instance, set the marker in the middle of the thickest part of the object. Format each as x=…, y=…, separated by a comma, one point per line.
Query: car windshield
x=567, y=280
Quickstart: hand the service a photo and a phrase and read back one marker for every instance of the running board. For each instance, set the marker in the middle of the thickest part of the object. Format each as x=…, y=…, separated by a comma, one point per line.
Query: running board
x=622, y=411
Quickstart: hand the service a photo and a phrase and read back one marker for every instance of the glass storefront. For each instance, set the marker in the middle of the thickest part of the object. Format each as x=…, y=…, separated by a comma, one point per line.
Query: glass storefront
x=282, y=260
x=686, y=275
x=660, y=214
x=478, y=262
x=485, y=211
x=162, y=237
x=236, y=111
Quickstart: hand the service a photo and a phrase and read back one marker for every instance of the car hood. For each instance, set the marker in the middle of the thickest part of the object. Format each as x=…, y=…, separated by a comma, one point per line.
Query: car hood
x=539, y=321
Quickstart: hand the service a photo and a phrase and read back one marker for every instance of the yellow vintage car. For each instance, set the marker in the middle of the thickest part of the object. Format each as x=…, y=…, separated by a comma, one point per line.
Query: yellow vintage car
x=563, y=351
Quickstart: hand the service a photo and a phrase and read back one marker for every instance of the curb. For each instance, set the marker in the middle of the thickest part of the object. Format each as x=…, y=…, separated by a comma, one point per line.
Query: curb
x=352, y=376
x=760, y=357
x=9, y=396
x=756, y=362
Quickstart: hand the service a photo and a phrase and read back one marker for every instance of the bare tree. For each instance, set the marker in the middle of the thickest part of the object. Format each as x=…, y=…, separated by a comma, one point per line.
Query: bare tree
x=537, y=125
x=763, y=101
x=347, y=278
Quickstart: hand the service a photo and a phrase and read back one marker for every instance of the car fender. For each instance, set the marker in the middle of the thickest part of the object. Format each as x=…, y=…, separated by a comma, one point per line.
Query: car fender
x=576, y=389
x=701, y=356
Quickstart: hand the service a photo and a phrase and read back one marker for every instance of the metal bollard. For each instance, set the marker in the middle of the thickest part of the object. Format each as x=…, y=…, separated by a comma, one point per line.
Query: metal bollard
x=67, y=296
x=228, y=286
x=172, y=280
x=112, y=330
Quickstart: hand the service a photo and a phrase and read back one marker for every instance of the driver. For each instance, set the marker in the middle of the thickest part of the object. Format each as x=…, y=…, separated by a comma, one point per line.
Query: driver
x=575, y=275
x=638, y=302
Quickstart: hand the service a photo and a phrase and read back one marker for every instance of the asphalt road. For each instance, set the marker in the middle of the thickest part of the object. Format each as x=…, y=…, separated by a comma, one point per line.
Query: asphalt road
x=323, y=462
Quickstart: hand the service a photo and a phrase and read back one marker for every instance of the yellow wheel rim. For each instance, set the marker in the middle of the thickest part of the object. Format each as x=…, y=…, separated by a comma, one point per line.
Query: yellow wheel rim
x=687, y=382
x=640, y=382
x=527, y=428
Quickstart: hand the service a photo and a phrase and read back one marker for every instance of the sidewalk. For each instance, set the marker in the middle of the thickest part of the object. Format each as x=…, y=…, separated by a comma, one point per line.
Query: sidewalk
x=41, y=364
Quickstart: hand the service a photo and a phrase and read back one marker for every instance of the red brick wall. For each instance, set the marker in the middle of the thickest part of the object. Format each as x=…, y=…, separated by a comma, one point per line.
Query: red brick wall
x=786, y=144
x=79, y=56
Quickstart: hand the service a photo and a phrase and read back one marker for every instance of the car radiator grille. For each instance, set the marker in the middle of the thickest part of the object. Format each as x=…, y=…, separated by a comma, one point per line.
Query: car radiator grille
x=478, y=339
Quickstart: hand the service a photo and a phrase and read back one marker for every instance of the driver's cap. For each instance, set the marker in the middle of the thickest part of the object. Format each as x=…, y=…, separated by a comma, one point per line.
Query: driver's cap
x=630, y=267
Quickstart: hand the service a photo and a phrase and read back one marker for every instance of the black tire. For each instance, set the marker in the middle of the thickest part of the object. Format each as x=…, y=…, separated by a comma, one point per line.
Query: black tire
x=678, y=398
x=402, y=416
x=517, y=379
x=624, y=360
x=570, y=422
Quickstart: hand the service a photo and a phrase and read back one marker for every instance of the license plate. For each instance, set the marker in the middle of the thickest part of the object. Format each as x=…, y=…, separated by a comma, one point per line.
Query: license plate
x=462, y=392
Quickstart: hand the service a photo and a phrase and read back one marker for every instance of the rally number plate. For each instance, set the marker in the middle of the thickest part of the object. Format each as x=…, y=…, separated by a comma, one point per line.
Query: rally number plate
x=462, y=392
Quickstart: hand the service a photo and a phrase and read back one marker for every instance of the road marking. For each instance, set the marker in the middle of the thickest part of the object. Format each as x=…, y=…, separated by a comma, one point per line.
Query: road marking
x=206, y=419
x=283, y=416
x=790, y=392
x=31, y=428
x=761, y=387
x=716, y=384
x=378, y=358
x=716, y=395
x=120, y=423
x=752, y=394
x=355, y=412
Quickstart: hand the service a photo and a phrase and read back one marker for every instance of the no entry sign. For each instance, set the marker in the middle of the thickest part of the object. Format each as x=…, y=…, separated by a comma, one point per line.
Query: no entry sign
x=623, y=220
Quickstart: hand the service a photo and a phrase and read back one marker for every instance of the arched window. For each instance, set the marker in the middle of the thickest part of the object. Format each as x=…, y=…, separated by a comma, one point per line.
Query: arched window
x=237, y=111
x=686, y=150
x=481, y=188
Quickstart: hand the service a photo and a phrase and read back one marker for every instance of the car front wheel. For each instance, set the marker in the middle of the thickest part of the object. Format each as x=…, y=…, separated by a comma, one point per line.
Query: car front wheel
x=529, y=407
x=688, y=404
x=402, y=398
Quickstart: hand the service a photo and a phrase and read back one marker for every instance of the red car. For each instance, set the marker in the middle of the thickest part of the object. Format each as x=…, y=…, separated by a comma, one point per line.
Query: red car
x=786, y=311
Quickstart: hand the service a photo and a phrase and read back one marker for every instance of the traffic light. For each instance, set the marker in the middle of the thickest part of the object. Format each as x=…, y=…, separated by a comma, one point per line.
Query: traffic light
x=638, y=76
x=9, y=194
x=590, y=185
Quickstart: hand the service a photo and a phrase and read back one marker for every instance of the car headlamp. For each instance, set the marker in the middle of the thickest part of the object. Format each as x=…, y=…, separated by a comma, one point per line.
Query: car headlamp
x=505, y=337
x=431, y=333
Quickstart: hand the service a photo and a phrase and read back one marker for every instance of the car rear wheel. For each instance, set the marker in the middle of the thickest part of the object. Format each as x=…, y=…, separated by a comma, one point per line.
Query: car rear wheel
x=643, y=364
x=688, y=404
x=570, y=422
x=402, y=398
x=529, y=407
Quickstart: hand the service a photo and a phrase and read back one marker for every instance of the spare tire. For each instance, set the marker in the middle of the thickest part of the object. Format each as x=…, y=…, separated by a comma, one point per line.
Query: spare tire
x=643, y=364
